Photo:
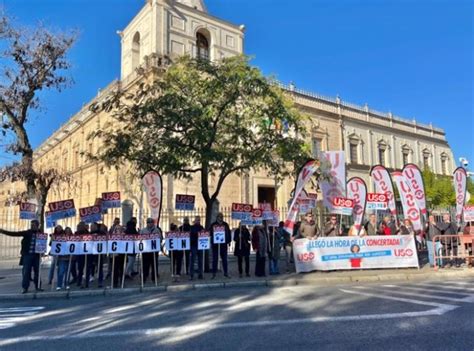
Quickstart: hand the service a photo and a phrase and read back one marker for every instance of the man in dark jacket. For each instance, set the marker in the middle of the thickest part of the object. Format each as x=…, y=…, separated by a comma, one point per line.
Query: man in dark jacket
x=195, y=229
x=185, y=228
x=217, y=228
x=242, y=249
x=29, y=258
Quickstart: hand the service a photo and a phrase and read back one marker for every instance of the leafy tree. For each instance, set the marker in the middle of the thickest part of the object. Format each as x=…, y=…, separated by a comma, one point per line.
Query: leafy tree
x=438, y=188
x=33, y=60
x=204, y=118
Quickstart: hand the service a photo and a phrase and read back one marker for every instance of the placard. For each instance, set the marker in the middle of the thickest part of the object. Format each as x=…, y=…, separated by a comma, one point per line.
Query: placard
x=241, y=211
x=468, y=214
x=90, y=214
x=184, y=202
x=204, y=240
x=219, y=234
x=41, y=243
x=377, y=201
x=342, y=206
x=27, y=211
x=178, y=241
x=111, y=200
x=62, y=209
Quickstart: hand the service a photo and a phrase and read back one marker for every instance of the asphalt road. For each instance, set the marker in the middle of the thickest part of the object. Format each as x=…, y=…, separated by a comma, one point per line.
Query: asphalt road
x=404, y=316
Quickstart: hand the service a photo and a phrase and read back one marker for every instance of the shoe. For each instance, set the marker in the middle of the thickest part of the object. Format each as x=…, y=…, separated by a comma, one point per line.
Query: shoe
x=91, y=279
x=24, y=291
x=39, y=290
x=68, y=287
x=200, y=277
x=58, y=289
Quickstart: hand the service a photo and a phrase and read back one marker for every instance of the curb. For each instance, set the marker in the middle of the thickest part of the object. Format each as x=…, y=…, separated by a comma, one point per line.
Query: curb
x=302, y=281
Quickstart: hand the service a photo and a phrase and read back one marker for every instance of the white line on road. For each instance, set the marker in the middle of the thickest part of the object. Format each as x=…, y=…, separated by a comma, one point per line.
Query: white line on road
x=210, y=326
x=446, y=287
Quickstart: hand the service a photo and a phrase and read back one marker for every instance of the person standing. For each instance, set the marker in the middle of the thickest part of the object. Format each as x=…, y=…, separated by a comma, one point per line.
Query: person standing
x=308, y=229
x=81, y=229
x=220, y=249
x=176, y=258
x=58, y=230
x=371, y=227
x=131, y=229
x=332, y=228
x=260, y=246
x=186, y=228
x=275, y=242
x=451, y=244
x=407, y=228
x=30, y=260
x=286, y=243
x=195, y=229
x=242, y=249
x=150, y=259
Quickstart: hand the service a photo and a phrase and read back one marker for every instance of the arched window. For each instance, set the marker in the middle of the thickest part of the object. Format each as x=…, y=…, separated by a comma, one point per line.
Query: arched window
x=136, y=50
x=202, y=45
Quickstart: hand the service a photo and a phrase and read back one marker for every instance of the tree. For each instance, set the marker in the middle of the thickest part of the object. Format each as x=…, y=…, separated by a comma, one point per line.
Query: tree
x=32, y=61
x=438, y=189
x=204, y=118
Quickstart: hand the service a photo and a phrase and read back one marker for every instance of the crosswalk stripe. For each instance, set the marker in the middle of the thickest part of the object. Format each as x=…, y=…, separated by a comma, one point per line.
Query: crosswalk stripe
x=21, y=309
x=432, y=291
x=446, y=287
x=11, y=316
x=418, y=296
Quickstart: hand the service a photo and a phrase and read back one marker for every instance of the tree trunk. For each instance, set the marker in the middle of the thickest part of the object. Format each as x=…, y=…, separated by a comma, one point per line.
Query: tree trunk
x=41, y=199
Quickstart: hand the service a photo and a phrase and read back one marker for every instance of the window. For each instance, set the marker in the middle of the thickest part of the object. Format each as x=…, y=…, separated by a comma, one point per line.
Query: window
x=65, y=165
x=405, y=155
x=202, y=45
x=316, y=147
x=426, y=158
x=382, y=148
x=136, y=50
x=353, y=152
x=444, y=164
x=75, y=160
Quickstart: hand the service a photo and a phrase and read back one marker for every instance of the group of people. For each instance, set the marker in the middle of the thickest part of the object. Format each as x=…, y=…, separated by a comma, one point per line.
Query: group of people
x=266, y=241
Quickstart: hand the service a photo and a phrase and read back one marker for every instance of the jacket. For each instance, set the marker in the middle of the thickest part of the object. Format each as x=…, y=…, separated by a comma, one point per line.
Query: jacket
x=308, y=230
x=330, y=230
x=242, y=242
x=194, y=235
x=29, y=239
x=371, y=229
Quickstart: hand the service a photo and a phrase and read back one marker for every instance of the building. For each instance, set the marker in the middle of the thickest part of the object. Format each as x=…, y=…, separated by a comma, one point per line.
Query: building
x=171, y=28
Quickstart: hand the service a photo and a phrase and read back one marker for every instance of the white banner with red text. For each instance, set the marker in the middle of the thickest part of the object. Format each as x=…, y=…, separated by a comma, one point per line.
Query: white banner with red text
x=336, y=253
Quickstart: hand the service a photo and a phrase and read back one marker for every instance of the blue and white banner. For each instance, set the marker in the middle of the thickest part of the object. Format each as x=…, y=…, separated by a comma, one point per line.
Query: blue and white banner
x=335, y=253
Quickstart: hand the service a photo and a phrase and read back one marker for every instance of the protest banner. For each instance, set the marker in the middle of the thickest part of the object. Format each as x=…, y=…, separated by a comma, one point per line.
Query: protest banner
x=90, y=214
x=468, y=214
x=153, y=186
x=204, y=240
x=110, y=200
x=414, y=180
x=377, y=201
x=342, y=206
x=460, y=183
x=184, y=202
x=41, y=243
x=306, y=202
x=267, y=213
x=178, y=241
x=336, y=186
x=411, y=210
x=241, y=211
x=357, y=191
x=27, y=210
x=333, y=253
x=62, y=209
x=384, y=185
x=145, y=243
x=304, y=175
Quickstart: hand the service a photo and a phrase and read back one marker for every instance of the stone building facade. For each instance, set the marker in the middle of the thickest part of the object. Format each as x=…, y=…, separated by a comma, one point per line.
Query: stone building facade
x=169, y=28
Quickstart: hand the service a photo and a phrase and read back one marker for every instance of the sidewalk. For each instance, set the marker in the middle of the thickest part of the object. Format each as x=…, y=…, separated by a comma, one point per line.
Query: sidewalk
x=10, y=280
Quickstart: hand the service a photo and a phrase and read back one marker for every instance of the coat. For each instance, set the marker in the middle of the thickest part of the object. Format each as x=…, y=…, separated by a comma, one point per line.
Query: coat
x=242, y=242
x=330, y=230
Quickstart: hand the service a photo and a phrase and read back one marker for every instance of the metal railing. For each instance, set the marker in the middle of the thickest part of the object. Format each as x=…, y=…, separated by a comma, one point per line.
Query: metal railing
x=453, y=250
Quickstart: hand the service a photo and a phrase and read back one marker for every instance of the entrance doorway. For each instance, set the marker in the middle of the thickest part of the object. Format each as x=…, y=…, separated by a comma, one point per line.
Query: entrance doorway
x=266, y=194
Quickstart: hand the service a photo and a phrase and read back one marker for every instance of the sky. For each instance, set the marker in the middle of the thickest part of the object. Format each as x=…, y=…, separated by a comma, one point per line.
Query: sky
x=411, y=57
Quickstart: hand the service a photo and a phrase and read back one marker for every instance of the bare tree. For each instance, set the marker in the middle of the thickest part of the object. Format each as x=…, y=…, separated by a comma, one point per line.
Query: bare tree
x=33, y=60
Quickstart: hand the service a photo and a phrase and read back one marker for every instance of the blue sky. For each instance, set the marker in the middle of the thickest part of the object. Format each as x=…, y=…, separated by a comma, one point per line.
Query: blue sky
x=414, y=58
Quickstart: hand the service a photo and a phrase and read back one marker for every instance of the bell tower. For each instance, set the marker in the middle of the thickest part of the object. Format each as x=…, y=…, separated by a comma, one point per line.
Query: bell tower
x=177, y=27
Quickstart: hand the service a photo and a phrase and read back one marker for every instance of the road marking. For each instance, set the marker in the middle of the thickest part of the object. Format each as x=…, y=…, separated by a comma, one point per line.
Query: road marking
x=10, y=317
x=439, y=309
x=433, y=291
x=446, y=287
x=436, y=297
